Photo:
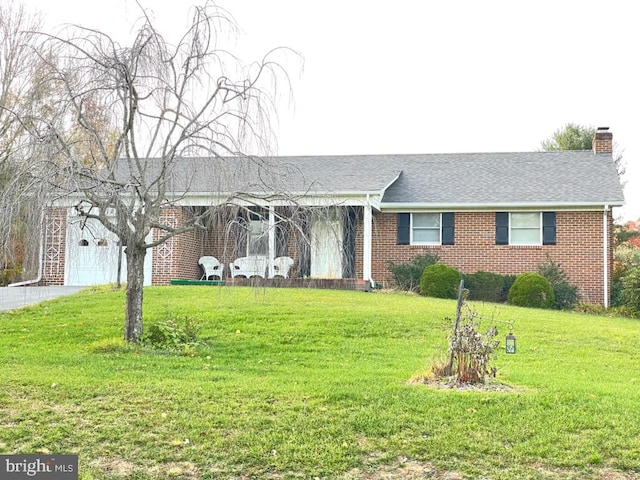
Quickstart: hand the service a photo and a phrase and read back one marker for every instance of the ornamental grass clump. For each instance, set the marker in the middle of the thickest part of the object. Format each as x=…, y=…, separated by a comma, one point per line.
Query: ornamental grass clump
x=472, y=352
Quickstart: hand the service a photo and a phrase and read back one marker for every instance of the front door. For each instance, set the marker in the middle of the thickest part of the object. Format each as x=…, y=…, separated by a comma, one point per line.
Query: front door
x=326, y=243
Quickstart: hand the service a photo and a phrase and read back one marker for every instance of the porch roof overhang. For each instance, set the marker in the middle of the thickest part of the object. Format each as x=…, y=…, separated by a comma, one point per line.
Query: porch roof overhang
x=303, y=199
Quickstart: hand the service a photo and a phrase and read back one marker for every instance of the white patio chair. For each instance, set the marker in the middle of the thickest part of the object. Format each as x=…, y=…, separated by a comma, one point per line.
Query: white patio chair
x=281, y=266
x=254, y=266
x=211, y=267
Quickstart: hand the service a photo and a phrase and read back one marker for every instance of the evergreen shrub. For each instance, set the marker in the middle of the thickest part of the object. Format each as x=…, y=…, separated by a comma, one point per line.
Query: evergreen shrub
x=631, y=290
x=487, y=286
x=566, y=294
x=440, y=281
x=531, y=290
x=406, y=276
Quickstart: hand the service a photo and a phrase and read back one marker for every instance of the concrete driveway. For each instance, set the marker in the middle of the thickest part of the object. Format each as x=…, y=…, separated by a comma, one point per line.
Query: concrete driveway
x=17, y=297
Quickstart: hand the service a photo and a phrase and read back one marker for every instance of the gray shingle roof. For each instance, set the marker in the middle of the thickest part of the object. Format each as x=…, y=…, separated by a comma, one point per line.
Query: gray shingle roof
x=287, y=175
x=563, y=177
x=463, y=179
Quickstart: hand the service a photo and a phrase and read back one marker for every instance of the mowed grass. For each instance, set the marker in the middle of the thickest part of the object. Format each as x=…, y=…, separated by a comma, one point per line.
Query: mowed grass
x=303, y=383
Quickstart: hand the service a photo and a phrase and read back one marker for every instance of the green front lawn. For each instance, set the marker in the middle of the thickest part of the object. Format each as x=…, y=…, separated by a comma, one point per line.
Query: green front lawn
x=302, y=383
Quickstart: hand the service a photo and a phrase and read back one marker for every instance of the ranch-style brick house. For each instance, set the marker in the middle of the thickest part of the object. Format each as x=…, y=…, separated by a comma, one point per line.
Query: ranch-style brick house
x=342, y=219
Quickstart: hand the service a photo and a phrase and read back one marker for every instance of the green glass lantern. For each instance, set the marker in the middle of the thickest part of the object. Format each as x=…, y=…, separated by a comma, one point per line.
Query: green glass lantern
x=510, y=343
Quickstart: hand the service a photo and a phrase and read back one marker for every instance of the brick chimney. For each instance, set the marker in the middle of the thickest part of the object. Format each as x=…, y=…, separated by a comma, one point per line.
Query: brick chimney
x=603, y=141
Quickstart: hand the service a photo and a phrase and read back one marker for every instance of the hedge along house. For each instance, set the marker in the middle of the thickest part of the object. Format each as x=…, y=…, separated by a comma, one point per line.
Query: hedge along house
x=342, y=219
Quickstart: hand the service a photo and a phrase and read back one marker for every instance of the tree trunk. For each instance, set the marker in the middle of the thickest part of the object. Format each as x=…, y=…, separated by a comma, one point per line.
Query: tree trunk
x=135, y=283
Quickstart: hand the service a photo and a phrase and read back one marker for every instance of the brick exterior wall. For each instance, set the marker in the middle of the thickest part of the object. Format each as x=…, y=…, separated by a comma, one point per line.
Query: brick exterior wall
x=603, y=141
x=190, y=248
x=578, y=250
x=178, y=256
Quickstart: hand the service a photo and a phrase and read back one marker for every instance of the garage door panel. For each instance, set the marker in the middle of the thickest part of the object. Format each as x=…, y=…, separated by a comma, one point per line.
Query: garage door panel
x=92, y=255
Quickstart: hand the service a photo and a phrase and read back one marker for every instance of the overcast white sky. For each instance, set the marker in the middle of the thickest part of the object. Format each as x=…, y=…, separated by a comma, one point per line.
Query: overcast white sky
x=423, y=76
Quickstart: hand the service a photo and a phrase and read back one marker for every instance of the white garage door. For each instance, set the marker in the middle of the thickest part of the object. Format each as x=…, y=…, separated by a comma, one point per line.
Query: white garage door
x=92, y=255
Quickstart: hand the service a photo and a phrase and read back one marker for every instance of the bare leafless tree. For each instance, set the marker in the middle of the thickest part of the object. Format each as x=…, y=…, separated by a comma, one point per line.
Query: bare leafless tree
x=127, y=116
x=18, y=90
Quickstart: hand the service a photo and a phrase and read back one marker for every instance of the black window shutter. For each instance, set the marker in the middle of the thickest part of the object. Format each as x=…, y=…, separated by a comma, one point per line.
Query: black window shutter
x=404, y=227
x=448, y=228
x=548, y=228
x=502, y=228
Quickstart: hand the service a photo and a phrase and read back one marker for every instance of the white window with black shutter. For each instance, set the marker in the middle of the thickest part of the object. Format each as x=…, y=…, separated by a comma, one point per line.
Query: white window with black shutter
x=426, y=228
x=525, y=228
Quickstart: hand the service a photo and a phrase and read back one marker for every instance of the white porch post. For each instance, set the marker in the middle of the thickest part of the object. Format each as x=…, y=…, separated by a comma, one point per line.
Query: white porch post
x=366, y=250
x=272, y=239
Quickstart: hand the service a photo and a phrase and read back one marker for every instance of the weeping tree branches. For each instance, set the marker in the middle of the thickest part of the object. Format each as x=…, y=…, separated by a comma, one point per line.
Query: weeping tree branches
x=20, y=94
x=16, y=74
x=126, y=117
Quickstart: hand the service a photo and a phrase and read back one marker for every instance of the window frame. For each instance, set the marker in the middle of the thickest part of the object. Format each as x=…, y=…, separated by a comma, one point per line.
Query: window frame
x=412, y=228
x=539, y=228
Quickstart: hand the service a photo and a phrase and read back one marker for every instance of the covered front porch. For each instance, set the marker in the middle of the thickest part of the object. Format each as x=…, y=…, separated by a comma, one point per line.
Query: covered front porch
x=322, y=246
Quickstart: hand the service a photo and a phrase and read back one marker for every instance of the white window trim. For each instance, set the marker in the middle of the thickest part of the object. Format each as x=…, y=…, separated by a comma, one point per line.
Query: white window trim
x=511, y=228
x=413, y=242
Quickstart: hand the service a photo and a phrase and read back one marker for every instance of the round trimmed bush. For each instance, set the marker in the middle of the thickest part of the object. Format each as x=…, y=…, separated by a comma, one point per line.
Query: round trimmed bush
x=440, y=281
x=531, y=290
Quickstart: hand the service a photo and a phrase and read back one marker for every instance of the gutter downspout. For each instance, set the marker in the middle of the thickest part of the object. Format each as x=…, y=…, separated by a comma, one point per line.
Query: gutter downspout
x=367, y=250
x=40, y=255
x=605, y=235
